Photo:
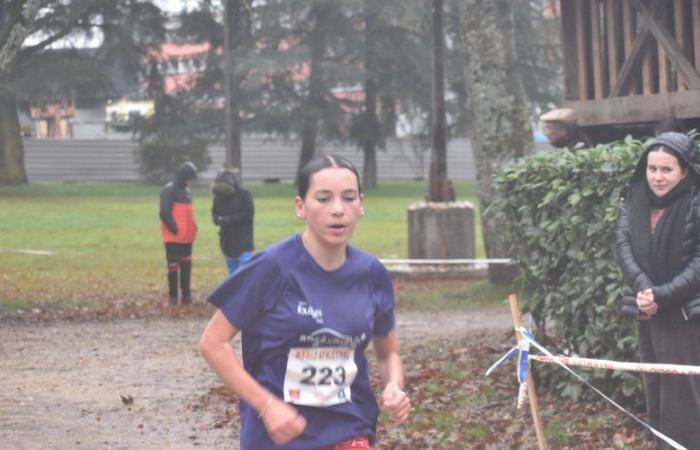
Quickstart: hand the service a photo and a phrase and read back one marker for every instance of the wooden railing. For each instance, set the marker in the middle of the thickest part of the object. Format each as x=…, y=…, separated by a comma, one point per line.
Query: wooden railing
x=618, y=48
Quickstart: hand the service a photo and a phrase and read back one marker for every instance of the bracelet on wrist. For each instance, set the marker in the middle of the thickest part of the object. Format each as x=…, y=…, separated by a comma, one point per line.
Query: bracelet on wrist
x=267, y=405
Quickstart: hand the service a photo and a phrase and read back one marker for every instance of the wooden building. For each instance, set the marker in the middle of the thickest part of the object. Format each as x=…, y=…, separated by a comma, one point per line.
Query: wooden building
x=631, y=64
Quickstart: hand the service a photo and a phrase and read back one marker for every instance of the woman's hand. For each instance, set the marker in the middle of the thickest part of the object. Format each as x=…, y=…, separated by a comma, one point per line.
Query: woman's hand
x=282, y=421
x=646, y=304
x=395, y=402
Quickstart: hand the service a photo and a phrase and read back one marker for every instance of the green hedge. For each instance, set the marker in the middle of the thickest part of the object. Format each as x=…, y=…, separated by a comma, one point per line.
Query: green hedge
x=560, y=210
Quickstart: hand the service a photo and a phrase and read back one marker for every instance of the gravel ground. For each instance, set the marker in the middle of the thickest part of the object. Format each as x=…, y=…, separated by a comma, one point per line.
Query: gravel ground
x=136, y=384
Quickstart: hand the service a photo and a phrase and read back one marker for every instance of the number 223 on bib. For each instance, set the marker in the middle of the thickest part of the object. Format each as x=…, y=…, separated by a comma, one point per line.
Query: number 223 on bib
x=319, y=376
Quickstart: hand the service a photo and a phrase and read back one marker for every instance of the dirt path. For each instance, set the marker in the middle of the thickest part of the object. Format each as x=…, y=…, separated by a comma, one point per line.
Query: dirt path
x=61, y=385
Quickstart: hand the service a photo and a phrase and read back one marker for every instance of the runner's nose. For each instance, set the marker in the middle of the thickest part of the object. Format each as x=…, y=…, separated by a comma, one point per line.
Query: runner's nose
x=337, y=207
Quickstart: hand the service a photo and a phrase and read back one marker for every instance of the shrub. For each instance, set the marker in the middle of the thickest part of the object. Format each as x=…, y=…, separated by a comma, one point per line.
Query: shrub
x=168, y=139
x=560, y=211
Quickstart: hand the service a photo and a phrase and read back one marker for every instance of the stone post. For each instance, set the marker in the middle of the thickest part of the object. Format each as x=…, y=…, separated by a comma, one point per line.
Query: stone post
x=441, y=230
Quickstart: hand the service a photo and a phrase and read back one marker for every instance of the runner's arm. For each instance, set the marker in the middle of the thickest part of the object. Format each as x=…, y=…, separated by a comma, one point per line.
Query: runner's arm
x=282, y=421
x=394, y=399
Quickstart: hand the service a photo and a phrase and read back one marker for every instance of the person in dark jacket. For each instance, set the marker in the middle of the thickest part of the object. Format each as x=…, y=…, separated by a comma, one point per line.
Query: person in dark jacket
x=658, y=248
x=178, y=230
x=232, y=210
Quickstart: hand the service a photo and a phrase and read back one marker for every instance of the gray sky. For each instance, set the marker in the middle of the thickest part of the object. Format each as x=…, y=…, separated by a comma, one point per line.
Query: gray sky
x=80, y=40
x=174, y=6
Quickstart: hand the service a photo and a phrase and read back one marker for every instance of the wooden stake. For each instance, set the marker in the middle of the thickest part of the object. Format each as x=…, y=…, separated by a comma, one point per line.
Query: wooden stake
x=531, y=393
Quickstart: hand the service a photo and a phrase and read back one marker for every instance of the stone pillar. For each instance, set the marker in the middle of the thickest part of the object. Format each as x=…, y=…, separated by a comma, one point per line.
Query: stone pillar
x=441, y=230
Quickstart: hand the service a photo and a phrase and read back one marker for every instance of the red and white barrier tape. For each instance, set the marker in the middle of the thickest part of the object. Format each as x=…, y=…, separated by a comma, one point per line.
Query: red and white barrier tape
x=677, y=369
x=526, y=334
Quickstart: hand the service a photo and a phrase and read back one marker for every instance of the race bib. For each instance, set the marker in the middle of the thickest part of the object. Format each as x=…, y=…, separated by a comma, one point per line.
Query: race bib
x=319, y=376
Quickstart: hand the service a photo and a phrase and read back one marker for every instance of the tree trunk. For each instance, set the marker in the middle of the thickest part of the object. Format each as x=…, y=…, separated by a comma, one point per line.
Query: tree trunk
x=459, y=83
x=388, y=115
x=11, y=148
x=440, y=188
x=369, y=171
x=308, y=142
x=314, y=102
x=236, y=37
x=371, y=122
x=16, y=20
x=502, y=128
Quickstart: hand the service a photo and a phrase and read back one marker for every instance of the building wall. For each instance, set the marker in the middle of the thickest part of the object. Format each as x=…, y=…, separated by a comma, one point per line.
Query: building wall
x=89, y=123
x=84, y=160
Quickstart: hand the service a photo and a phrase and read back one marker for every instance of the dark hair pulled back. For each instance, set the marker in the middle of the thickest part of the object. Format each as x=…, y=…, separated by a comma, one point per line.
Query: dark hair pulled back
x=319, y=163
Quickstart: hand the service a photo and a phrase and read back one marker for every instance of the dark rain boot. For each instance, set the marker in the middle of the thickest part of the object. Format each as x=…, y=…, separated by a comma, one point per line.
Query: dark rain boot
x=185, y=270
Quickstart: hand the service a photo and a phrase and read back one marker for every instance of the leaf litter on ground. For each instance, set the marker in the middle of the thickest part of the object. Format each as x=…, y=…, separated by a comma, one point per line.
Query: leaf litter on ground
x=456, y=407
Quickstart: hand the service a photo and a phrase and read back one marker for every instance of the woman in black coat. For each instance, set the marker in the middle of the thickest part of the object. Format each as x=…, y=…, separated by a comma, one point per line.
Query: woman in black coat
x=233, y=211
x=658, y=247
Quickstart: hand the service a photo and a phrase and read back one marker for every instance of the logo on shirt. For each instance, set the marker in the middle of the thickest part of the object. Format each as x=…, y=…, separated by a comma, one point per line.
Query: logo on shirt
x=304, y=309
x=327, y=337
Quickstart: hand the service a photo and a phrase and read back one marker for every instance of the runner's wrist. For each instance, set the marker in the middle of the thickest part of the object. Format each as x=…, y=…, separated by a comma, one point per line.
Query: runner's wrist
x=397, y=384
x=265, y=407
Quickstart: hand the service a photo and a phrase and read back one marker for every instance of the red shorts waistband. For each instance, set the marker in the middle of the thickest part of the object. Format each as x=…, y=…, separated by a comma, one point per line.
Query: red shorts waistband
x=360, y=443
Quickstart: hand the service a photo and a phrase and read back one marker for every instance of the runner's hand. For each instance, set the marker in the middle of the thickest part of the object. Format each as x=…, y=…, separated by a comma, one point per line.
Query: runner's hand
x=395, y=402
x=283, y=422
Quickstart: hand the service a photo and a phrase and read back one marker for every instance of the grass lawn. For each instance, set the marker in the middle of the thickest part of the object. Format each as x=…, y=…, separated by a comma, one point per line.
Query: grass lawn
x=104, y=238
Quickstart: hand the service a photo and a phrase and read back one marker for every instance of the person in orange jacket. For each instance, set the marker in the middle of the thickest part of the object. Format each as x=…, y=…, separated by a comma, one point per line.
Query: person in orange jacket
x=178, y=230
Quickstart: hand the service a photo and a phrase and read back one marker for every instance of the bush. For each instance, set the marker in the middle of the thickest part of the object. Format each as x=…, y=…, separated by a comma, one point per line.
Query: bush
x=168, y=139
x=560, y=210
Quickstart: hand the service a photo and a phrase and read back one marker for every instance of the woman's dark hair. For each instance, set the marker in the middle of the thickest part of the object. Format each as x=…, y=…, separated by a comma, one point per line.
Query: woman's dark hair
x=665, y=149
x=319, y=163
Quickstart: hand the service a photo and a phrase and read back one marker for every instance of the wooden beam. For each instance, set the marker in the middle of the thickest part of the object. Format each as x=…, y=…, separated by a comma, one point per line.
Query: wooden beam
x=570, y=53
x=611, y=25
x=581, y=33
x=628, y=33
x=679, y=31
x=662, y=63
x=671, y=47
x=637, y=108
x=641, y=46
x=628, y=26
x=648, y=72
x=597, y=54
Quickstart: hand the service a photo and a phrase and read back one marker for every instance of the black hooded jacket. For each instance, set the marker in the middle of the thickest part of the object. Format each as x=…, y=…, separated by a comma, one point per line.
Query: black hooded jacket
x=678, y=298
x=233, y=211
